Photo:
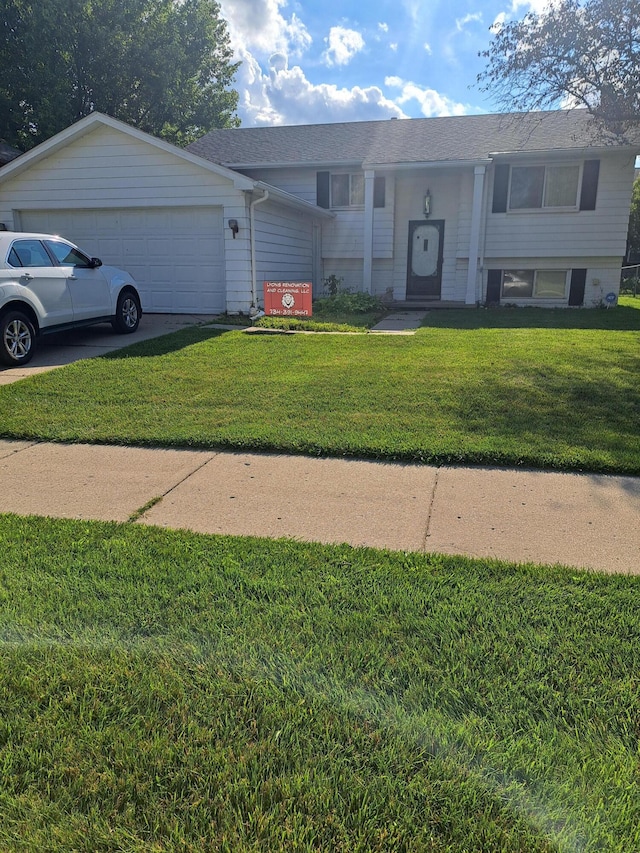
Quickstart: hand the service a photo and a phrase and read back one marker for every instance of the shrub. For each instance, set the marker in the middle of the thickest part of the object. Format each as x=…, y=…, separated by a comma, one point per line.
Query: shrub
x=349, y=303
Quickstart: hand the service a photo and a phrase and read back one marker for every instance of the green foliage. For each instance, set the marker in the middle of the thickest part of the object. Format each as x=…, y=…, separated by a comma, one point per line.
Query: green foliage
x=165, y=691
x=633, y=234
x=310, y=324
x=549, y=389
x=160, y=66
x=348, y=303
x=332, y=284
x=587, y=53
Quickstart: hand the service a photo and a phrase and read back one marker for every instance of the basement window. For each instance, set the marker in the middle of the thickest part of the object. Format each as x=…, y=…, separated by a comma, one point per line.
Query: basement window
x=534, y=284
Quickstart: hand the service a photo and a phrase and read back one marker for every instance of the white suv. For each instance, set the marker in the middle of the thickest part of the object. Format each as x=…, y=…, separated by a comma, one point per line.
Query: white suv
x=47, y=285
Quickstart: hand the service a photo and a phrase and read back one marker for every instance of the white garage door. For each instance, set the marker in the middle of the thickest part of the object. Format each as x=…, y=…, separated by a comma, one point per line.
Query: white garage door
x=174, y=254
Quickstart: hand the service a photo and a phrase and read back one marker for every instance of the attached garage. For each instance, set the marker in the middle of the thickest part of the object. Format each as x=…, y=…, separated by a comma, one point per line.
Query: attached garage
x=163, y=214
x=176, y=255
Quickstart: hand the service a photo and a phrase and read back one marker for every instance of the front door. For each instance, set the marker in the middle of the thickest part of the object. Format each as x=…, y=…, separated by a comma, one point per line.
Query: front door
x=424, y=268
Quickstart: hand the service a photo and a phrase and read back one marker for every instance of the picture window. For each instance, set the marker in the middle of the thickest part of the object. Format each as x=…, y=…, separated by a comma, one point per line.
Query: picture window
x=535, y=187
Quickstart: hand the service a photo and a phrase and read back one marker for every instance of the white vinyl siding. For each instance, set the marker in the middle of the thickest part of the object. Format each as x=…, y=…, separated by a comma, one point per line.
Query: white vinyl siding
x=550, y=233
x=284, y=245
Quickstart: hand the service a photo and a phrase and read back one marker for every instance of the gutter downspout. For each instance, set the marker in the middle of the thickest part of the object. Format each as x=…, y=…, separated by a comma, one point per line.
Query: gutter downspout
x=254, y=287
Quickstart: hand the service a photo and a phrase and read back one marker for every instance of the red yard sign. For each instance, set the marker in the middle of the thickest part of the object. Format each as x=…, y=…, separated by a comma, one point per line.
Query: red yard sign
x=287, y=298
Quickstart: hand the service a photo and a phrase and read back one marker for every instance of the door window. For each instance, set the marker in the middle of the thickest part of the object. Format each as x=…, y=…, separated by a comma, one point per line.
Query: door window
x=29, y=253
x=66, y=255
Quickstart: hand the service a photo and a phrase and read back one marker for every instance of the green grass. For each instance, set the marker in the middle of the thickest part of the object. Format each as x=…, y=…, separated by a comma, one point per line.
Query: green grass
x=164, y=691
x=543, y=389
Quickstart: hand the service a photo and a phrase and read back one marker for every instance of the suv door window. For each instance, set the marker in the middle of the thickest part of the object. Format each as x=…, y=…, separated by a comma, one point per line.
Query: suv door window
x=66, y=255
x=29, y=253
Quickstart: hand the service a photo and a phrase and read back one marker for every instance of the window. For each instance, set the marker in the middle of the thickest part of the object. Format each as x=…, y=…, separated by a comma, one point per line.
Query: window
x=347, y=190
x=29, y=253
x=544, y=186
x=534, y=284
x=66, y=255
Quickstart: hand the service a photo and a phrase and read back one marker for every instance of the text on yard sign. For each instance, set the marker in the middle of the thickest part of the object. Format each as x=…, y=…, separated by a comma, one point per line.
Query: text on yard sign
x=287, y=298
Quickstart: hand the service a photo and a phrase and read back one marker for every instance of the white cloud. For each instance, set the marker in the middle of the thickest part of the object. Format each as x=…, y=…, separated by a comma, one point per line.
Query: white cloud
x=461, y=23
x=260, y=27
x=343, y=46
x=431, y=103
x=384, y=28
x=519, y=8
x=500, y=18
x=427, y=48
x=536, y=6
x=285, y=96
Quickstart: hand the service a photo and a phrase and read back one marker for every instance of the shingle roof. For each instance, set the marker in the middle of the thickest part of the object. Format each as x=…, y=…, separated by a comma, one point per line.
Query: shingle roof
x=401, y=141
x=7, y=153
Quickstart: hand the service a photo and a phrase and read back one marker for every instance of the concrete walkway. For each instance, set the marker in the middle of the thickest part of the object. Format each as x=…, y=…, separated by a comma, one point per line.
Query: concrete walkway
x=581, y=520
x=401, y=322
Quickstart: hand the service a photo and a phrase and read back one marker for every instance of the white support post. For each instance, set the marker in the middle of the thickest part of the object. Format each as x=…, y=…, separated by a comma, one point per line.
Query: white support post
x=474, y=242
x=367, y=269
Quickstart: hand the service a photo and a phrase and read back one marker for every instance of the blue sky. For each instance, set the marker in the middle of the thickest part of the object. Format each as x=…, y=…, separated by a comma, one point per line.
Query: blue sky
x=314, y=61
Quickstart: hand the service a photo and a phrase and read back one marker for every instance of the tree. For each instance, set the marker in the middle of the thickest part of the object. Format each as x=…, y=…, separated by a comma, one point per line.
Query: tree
x=572, y=54
x=163, y=66
x=633, y=234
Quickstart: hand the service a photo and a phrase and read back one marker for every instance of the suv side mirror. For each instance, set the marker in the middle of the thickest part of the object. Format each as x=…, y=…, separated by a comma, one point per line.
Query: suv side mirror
x=95, y=262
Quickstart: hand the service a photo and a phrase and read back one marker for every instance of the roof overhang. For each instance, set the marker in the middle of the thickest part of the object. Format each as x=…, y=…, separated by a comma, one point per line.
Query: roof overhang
x=308, y=164
x=426, y=164
x=582, y=152
x=293, y=201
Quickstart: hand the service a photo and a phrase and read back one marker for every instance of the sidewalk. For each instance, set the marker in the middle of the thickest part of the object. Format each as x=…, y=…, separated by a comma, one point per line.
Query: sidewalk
x=583, y=520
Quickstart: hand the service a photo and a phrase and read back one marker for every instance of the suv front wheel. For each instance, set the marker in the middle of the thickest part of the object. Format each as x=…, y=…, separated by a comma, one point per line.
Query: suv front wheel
x=128, y=312
x=17, y=338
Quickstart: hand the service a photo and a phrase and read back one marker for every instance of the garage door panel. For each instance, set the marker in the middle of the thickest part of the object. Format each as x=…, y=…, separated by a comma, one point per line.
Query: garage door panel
x=157, y=246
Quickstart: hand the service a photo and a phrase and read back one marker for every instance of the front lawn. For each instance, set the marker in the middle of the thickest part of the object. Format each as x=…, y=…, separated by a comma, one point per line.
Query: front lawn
x=495, y=387
x=164, y=691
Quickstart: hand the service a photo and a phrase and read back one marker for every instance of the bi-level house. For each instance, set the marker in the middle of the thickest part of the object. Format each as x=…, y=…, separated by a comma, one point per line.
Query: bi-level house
x=527, y=209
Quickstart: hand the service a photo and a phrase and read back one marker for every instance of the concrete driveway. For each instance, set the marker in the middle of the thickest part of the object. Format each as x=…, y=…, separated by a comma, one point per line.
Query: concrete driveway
x=62, y=348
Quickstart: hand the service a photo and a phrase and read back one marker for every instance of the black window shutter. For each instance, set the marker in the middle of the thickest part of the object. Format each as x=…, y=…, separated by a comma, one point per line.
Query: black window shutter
x=590, y=173
x=494, y=286
x=576, y=288
x=322, y=190
x=378, y=192
x=500, y=188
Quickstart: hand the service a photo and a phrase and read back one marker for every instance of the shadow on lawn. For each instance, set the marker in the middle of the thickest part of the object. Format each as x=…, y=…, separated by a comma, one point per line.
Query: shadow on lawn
x=621, y=318
x=169, y=343
x=561, y=414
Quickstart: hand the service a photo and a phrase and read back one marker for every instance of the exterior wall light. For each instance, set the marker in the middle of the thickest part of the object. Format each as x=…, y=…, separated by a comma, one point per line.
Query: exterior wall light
x=233, y=225
x=427, y=204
